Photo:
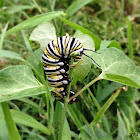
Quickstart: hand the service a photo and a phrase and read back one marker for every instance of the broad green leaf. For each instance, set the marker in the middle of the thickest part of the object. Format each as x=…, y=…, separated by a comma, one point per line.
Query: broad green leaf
x=96, y=39
x=122, y=132
x=43, y=34
x=35, y=59
x=27, y=120
x=116, y=66
x=17, y=82
x=83, y=69
x=31, y=22
x=105, y=43
x=75, y=6
x=12, y=55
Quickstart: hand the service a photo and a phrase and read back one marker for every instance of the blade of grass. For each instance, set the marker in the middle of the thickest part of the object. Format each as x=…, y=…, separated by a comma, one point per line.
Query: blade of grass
x=3, y=35
x=106, y=106
x=26, y=41
x=75, y=6
x=31, y=22
x=98, y=107
x=129, y=37
x=12, y=129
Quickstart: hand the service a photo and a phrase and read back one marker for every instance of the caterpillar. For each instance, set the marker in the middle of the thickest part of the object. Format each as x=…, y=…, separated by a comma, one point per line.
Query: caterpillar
x=56, y=62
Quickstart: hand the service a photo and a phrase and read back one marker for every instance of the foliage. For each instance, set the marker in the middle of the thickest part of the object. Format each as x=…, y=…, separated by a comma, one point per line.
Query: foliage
x=29, y=111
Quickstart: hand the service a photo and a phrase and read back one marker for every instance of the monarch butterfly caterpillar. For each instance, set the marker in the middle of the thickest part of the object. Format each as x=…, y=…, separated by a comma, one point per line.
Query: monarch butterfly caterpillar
x=56, y=62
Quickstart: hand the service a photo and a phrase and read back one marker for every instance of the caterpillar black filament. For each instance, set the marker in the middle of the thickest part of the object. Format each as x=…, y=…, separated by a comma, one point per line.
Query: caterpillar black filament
x=56, y=62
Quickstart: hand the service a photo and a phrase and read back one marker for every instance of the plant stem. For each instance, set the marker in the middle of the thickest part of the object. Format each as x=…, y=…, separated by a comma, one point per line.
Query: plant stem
x=129, y=37
x=65, y=103
x=11, y=127
x=106, y=106
x=85, y=87
x=48, y=94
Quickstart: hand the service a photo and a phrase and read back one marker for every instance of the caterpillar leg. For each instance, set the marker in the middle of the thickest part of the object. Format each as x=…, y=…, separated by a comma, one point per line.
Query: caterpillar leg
x=74, y=99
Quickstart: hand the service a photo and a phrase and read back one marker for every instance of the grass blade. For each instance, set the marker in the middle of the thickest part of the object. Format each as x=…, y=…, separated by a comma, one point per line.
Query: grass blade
x=106, y=106
x=27, y=120
x=75, y=6
x=31, y=22
x=3, y=35
x=26, y=41
x=129, y=36
x=12, y=129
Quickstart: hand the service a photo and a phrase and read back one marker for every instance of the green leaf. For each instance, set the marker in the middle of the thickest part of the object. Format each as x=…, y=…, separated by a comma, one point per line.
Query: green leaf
x=116, y=66
x=96, y=39
x=81, y=71
x=12, y=55
x=31, y=22
x=75, y=6
x=122, y=132
x=105, y=43
x=43, y=34
x=27, y=120
x=17, y=82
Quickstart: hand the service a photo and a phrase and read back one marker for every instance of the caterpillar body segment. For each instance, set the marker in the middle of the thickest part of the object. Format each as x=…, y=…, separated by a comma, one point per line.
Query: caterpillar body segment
x=56, y=62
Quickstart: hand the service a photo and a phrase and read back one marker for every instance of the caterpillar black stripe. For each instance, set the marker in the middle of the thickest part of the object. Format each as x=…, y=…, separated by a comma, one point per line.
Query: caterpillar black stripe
x=56, y=62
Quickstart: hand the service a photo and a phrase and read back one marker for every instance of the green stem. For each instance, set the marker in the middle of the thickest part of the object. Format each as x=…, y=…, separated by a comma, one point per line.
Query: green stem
x=65, y=103
x=129, y=37
x=12, y=129
x=85, y=87
x=48, y=94
x=106, y=106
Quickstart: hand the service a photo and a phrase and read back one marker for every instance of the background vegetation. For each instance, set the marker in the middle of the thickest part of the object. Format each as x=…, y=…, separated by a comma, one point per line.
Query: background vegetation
x=117, y=20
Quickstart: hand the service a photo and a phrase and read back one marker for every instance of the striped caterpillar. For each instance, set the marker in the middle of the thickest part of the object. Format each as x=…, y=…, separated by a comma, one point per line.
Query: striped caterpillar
x=56, y=62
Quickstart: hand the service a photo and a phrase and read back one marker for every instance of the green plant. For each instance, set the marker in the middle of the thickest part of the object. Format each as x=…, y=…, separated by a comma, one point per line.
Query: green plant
x=53, y=120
